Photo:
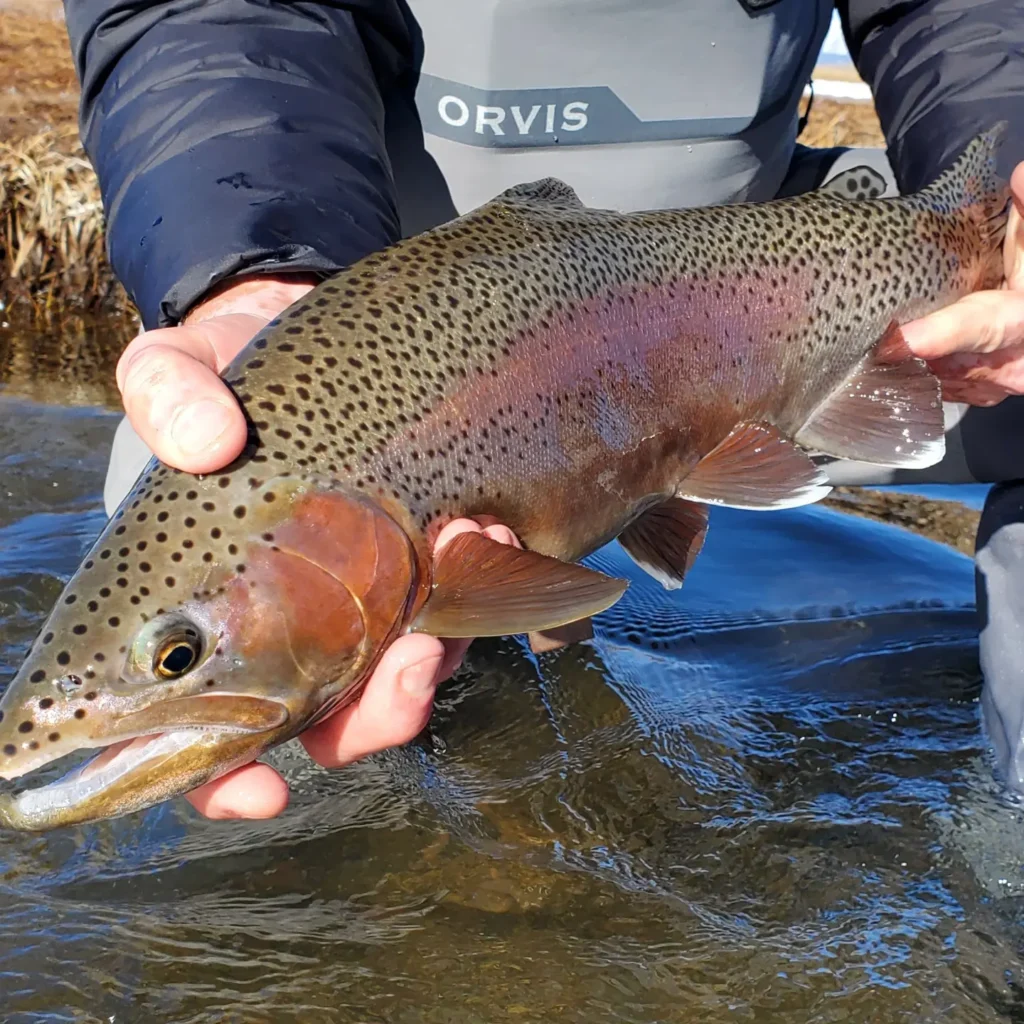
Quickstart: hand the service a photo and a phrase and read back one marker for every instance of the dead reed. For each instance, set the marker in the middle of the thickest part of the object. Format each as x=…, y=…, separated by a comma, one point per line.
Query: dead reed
x=51, y=227
x=835, y=123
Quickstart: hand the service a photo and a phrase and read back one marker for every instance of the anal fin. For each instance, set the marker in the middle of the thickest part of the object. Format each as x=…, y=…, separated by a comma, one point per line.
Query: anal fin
x=666, y=539
x=542, y=641
x=889, y=411
x=755, y=467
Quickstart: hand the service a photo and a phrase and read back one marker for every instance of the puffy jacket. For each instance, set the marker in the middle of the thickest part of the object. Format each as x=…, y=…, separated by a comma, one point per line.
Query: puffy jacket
x=242, y=135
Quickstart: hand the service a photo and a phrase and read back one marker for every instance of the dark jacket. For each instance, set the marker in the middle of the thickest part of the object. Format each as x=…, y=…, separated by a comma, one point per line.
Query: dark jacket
x=187, y=105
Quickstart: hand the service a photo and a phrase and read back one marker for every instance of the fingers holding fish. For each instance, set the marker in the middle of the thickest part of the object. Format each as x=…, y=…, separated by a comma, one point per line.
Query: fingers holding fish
x=1013, y=249
x=213, y=343
x=253, y=791
x=487, y=525
x=976, y=345
x=392, y=710
x=169, y=378
x=175, y=400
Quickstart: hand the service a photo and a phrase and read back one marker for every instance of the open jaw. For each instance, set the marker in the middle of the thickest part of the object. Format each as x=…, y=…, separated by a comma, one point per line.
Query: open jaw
x=153, y=754
x=63, y=800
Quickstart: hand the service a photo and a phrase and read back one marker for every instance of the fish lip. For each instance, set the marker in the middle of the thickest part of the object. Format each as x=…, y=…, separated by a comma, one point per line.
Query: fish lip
x=38, y=806
x=122, y=730
x=44, y=806
x=79, y=783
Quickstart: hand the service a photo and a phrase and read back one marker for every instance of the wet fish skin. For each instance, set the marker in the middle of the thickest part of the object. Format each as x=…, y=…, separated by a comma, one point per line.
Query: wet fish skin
x=578, y=374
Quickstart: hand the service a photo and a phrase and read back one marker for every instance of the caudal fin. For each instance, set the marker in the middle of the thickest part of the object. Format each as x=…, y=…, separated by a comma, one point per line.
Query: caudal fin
x=973, y=186
x=889, y=412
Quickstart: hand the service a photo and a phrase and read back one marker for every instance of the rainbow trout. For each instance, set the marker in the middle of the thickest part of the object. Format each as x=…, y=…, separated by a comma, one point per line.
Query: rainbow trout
x=579, y=374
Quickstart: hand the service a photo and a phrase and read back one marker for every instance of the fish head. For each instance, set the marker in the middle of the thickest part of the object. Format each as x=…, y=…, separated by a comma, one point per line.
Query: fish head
x=208, y=623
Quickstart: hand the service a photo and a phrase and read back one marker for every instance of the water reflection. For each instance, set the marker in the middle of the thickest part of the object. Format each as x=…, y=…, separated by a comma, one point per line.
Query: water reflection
x=765, y=798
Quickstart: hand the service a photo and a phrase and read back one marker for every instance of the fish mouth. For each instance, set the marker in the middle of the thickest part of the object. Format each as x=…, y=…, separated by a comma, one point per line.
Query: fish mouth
x=103, y=770
x=148, y=763
x=120, y=777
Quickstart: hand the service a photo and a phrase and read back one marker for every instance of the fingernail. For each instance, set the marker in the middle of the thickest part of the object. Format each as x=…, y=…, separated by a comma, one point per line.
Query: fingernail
x=420, y=680
x=196, y=428
x=915, y=334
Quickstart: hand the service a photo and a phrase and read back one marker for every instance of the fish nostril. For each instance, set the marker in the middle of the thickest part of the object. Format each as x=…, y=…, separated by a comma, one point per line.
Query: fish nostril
x=10, y=750
x=68, y=684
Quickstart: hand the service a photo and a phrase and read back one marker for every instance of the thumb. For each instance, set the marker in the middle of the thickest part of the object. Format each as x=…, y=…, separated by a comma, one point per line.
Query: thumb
x=1013, y=253
x=982, y=322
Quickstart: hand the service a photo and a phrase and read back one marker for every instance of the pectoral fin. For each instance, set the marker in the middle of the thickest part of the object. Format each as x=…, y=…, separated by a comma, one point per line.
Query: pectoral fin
x=755, y=467
x=666, y=539
x=483, y=588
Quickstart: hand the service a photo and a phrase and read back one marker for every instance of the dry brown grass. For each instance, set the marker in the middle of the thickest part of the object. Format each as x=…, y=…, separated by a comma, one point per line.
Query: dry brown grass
x=51, y=227
x=38, y=88
x=833, y=123
x=52, y=258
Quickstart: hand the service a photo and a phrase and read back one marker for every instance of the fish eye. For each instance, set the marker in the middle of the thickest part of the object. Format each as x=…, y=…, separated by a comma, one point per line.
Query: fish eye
x=176, y=656
x=166, y=647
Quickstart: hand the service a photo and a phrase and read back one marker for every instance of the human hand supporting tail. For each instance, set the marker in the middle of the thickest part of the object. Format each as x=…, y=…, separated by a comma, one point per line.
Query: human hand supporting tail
x=976, y=345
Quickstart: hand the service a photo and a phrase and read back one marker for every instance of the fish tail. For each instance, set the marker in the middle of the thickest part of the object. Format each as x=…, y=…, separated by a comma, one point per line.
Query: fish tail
x=973, y=187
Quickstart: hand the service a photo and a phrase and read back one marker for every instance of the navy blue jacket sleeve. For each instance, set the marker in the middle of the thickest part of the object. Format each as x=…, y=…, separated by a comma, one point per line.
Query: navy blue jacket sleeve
x=236, y=135
x=942, y=72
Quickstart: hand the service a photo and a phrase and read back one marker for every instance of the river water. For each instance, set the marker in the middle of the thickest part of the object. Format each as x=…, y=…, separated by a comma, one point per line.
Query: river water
x=766, y=797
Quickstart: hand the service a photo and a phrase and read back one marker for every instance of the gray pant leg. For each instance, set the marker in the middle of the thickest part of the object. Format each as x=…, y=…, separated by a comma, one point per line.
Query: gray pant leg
x=982, y=446
x=999, y=574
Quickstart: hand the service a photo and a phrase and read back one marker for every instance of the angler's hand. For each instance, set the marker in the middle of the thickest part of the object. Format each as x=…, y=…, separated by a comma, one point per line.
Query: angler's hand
x=177, y=403
x=976, y=345
x=169, y=378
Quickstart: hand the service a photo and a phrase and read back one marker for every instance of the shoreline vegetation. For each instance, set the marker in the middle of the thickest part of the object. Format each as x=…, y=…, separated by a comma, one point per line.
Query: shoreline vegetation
x=51, y=219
